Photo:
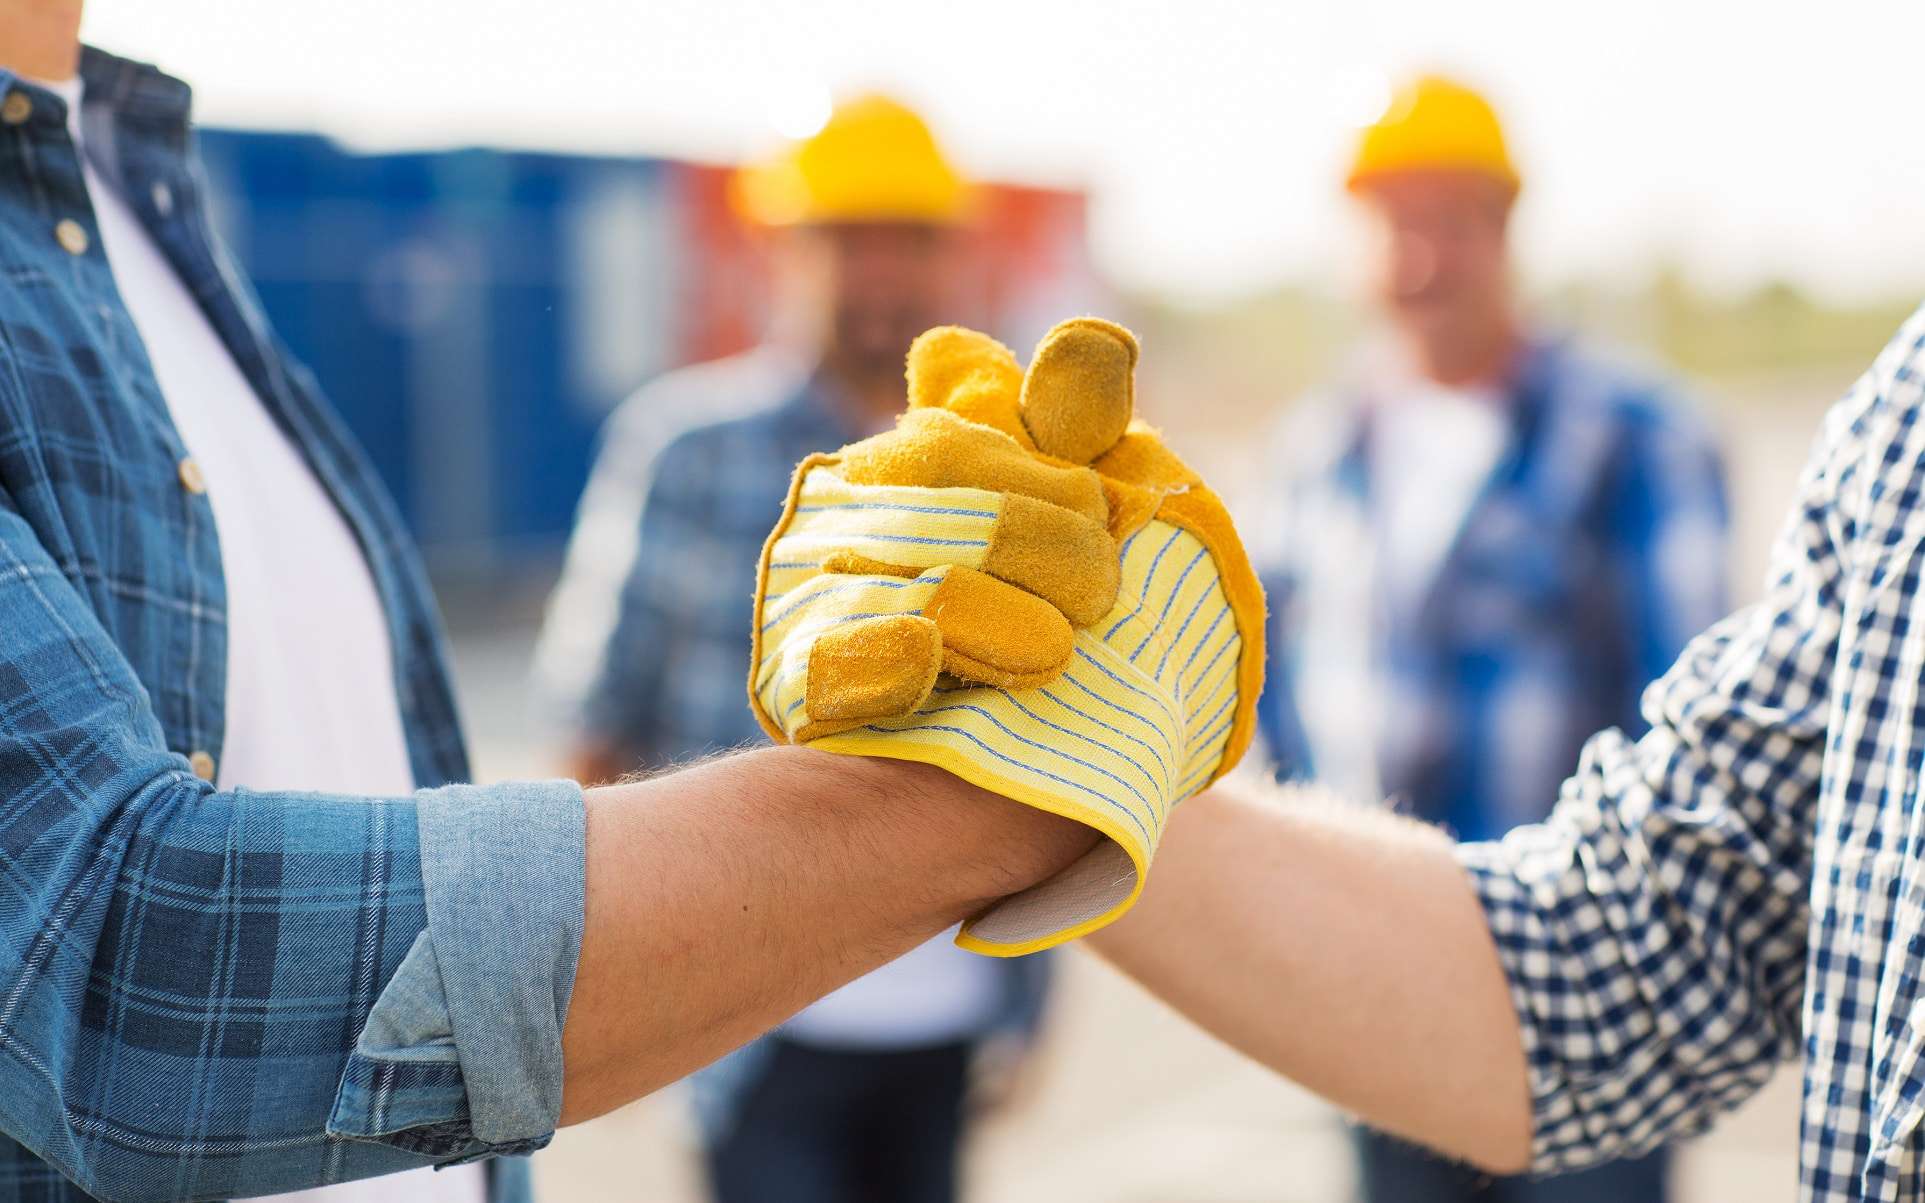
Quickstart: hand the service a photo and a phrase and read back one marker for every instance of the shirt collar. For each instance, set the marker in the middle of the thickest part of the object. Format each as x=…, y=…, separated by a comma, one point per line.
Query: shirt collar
x=137, y=91
x=150, y=105
x=1532, y=376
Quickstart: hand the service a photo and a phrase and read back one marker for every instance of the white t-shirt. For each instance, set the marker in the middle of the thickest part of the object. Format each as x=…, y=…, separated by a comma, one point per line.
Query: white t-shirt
x=934, y=994
x=1433, y=447
x=310, y=672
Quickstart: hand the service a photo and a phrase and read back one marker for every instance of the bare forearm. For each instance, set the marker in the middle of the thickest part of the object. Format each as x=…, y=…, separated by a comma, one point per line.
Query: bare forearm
x=1344, y=949
x=724, y=898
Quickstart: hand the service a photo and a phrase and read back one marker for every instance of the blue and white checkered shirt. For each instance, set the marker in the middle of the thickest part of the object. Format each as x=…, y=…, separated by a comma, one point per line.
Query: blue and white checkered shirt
x=1744, y=884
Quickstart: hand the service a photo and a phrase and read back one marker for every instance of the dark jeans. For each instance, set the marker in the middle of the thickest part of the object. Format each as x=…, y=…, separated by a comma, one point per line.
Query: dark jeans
x=1395, y=1171
x=826, y=1126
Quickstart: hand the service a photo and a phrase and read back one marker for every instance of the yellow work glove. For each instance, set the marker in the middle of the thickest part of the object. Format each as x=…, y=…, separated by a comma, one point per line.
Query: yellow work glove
x=1021, y=585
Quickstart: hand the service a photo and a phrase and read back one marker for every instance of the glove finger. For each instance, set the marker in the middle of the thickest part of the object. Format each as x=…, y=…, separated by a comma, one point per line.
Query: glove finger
x=1063, y=556
x=1056, y=554
x=939, y=449
x=1079, y=393
x=841, y=617
x=996, y=634
x=992, y=632
x=878, y=667
x=849, y=648
x=969, y=374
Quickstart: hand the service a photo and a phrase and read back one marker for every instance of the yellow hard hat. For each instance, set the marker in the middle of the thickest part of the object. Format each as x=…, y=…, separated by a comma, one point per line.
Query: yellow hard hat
x=875, y=160
x=1433, y=124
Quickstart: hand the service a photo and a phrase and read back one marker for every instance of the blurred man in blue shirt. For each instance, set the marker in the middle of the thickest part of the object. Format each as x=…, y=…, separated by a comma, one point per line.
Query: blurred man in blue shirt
x=861, y=1096
x=1487, y=543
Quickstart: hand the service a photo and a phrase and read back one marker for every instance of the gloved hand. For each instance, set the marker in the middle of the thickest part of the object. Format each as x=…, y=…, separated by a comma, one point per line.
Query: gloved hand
x=964, y=591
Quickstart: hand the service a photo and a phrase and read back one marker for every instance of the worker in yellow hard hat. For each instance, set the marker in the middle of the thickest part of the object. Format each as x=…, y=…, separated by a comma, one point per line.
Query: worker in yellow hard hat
x=860, y=1097
x=1485, y=543
x=864, y=223
x=1435, y=176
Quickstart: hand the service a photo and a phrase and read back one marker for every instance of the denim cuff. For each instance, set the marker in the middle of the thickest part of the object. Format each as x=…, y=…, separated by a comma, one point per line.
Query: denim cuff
x=461, y=1055
x=504, y=868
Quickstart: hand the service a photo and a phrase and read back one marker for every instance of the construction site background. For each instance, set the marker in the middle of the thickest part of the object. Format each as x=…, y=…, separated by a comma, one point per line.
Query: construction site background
x=476, y=313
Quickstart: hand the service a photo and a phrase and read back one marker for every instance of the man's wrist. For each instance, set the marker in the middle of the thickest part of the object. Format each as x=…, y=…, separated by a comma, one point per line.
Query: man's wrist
x=992, y=846
x=723, y=898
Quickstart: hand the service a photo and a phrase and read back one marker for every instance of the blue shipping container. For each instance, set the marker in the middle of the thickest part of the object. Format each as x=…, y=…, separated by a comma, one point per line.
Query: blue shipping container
x=473, y=314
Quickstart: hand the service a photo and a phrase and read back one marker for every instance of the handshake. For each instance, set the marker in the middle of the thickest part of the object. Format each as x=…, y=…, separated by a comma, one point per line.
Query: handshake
x=1022, y=585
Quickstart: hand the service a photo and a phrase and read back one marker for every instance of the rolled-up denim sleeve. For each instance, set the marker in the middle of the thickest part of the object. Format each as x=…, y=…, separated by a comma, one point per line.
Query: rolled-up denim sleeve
x=461, y=1055
x=203, y=991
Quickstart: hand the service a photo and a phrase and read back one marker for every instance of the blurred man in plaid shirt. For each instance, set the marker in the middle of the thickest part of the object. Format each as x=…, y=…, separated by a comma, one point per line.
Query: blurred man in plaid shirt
x=861, y=1096
x=1487, y=544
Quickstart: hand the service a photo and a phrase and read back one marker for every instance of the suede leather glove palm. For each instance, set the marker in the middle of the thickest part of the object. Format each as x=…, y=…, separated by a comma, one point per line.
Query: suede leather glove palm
x=1021, y=585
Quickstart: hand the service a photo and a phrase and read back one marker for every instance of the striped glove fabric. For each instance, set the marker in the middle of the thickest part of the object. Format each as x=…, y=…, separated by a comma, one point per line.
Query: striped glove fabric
x=1021, y=585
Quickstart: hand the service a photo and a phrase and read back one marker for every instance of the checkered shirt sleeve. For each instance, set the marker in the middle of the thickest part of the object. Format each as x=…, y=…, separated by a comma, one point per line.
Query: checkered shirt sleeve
x=1654, y=927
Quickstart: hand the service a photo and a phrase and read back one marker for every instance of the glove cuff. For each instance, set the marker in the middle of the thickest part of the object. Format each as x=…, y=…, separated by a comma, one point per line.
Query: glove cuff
x=1089, y=894
x=1198, y=511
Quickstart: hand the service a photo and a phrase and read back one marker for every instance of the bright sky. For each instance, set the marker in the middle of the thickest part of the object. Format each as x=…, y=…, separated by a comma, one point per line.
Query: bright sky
x=1748, y=140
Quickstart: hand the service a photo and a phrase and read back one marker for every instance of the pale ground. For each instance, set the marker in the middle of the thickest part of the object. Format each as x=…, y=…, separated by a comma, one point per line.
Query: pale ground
x=1134, y=1105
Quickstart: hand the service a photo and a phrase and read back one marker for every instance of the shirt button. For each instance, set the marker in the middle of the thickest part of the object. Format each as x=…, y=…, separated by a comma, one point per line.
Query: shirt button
x=16, y=108
x=72, y=236
x=191, y=477
x=163, y=199
x=202, y=764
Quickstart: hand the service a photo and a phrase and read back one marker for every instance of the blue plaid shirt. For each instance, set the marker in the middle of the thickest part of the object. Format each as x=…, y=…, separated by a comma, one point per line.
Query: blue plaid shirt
x=647, y=641
x=208, y=993
x=1745, y=885
x=1593, y=551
